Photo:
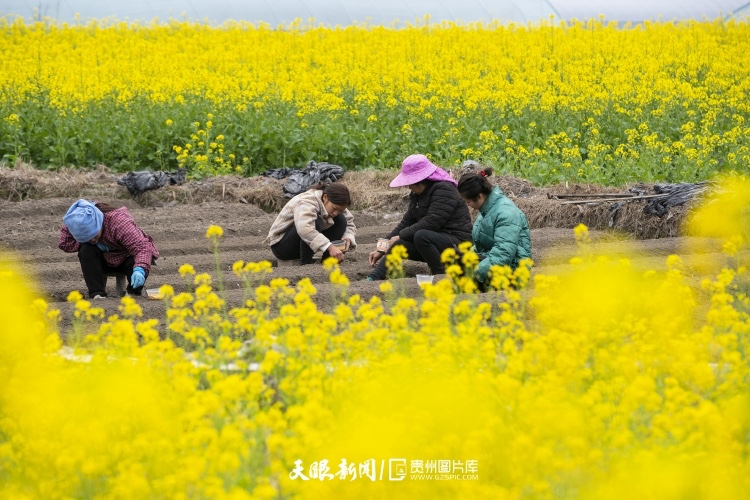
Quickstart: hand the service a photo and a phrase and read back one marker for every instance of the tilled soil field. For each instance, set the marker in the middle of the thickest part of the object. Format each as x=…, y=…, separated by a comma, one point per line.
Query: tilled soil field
x=30, y=230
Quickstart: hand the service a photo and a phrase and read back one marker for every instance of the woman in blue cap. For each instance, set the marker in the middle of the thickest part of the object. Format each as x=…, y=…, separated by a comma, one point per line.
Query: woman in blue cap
x=437, y=217
x=108, y=242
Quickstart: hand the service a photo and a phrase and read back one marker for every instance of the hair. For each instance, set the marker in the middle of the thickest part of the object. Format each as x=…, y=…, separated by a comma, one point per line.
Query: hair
x=338, y=194
x=471, y=185
x=105, y=207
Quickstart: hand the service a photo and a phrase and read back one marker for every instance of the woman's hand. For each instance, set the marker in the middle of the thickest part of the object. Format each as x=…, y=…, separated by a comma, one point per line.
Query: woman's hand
x=334, y=252
x=348, y=244
x=373, y=257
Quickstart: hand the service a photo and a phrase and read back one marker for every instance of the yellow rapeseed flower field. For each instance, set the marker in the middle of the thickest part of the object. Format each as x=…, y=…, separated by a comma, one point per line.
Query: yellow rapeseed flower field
x=555, y=101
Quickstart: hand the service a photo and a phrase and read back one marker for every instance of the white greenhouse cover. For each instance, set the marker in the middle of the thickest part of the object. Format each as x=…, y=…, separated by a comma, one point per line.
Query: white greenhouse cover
x=377, y=12
x=637, y=11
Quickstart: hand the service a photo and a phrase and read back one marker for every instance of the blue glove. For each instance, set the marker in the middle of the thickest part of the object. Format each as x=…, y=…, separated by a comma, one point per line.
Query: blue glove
x=103, y=247
x=138, y=278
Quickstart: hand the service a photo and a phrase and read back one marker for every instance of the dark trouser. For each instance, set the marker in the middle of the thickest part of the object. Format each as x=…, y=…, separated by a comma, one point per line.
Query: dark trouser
x=95, y=269
x=292, y=247
x=426, y=247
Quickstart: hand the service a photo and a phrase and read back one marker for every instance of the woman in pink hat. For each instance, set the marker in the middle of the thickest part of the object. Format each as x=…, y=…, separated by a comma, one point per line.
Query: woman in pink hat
x=437, y=217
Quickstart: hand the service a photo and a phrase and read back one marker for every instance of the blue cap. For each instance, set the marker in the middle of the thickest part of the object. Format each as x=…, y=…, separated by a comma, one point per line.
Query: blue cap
x=83, y=220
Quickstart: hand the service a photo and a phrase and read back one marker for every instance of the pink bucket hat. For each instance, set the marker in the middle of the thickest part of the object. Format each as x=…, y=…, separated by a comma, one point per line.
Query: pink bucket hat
x=415, y=168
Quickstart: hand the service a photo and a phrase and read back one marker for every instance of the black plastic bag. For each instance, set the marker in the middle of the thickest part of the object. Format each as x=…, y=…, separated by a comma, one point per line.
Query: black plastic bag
x=139, y=182
x=299, y=180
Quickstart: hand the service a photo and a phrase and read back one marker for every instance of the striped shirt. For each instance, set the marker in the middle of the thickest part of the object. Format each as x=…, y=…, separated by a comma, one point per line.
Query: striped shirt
x=302, y=211
x=122, y=236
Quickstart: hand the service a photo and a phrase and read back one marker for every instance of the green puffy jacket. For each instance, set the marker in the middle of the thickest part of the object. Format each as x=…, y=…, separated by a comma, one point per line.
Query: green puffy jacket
x=500, y=234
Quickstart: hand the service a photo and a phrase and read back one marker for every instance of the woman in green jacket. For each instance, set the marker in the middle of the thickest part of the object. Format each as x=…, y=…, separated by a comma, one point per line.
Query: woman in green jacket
x=501, y=233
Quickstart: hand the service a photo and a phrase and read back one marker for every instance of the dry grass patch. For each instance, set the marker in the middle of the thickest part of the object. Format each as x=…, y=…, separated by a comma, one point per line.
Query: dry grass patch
x=369, y=189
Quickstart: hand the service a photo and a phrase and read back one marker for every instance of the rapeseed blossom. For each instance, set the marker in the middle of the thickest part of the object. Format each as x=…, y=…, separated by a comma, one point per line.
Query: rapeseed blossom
x=214, y=232
x=584, y=100
x=186, y=269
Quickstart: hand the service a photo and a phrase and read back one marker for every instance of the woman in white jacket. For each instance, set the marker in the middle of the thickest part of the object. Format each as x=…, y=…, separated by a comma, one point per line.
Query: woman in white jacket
x=310, y=221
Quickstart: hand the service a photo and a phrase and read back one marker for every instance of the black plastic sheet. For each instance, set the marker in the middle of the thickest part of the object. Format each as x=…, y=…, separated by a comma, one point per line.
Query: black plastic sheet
x=138, y=183
x=299, y=180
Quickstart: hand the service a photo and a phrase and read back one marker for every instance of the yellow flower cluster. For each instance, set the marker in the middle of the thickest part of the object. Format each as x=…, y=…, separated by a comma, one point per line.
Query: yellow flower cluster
x=603, y=381
x=214, y=232
x=336, y=276
x=552, y=101
x=394, y=262
x=204, y=155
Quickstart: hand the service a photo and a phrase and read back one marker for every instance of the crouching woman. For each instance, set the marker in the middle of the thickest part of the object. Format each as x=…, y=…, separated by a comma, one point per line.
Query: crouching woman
x=500, y=234
x=310, y=221
x=108, y=242
x=436, y=219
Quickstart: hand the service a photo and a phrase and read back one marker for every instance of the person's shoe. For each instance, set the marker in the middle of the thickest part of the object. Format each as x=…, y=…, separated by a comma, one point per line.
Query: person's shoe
x=121, y=284
x=98, y=297
x=369, y=278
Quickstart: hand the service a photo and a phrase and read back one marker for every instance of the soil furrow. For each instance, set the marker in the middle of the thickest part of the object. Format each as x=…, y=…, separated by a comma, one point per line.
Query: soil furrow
x=30, y=230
